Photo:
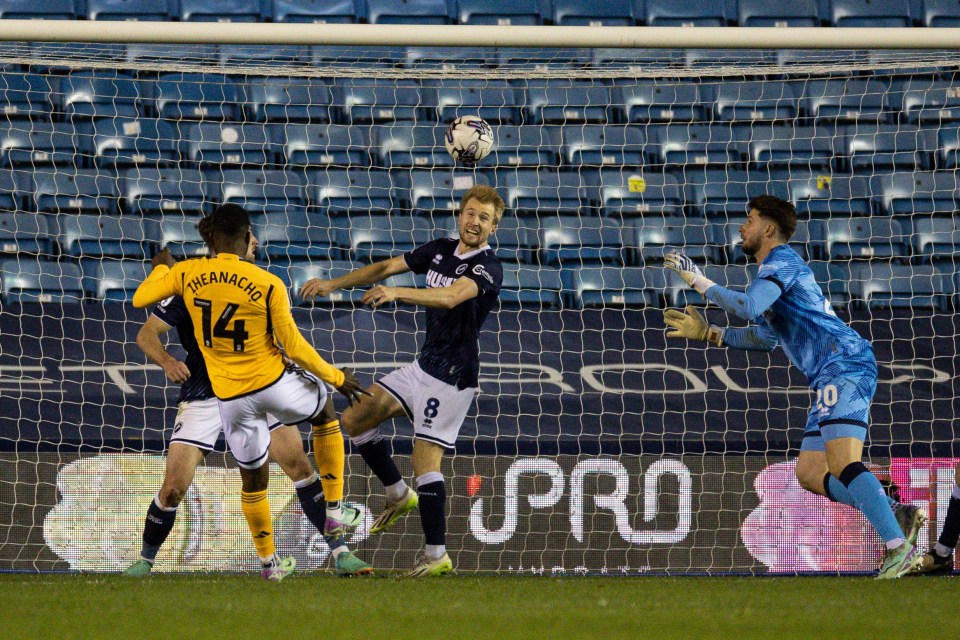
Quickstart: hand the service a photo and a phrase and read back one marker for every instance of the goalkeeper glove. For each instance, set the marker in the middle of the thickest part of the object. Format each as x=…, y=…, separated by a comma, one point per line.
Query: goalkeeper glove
x=690, y=324
x=690, y=272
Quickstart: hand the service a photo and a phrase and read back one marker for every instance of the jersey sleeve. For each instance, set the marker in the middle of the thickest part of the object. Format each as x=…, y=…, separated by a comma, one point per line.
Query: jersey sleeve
x=171, y=311
x=287, y=333
x=488, y=275
x=162, y=282
x=781, y=271
x=420, y=258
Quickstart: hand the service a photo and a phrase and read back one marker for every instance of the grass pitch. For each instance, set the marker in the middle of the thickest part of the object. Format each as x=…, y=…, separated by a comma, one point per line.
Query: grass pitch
x=323, y=607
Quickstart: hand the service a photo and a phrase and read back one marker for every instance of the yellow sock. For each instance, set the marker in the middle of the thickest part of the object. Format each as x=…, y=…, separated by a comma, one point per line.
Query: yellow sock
x=329, y=454
x=256, y=509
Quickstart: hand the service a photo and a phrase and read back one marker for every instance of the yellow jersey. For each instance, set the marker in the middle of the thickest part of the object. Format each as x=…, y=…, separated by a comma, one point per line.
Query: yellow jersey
x=241, y=319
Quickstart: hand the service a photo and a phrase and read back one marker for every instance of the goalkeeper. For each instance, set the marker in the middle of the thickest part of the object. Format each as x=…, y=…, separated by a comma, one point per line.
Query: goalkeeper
x=789, y=309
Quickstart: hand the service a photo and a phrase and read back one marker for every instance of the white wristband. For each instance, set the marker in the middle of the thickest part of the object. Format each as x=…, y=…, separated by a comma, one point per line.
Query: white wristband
x=701, y=284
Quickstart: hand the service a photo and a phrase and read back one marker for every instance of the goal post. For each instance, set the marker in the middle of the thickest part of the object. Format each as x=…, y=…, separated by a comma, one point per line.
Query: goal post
x=595, y=445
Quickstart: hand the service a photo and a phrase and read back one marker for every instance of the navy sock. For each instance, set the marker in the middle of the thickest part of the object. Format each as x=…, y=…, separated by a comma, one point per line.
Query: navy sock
x=377, y=456
x=433, y=498
x=315, y=508
x=951, y=526
x=156, y=527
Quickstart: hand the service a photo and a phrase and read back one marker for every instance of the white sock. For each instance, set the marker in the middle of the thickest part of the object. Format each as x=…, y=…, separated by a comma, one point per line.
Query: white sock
x=336, y=551
x=396, y=491
x=943, y=550
x=896, y=542
x=335, y=510
x=270, y=561
x=435, y=551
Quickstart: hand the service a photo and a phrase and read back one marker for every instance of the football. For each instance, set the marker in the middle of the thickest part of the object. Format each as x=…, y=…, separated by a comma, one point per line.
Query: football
x=469, y=139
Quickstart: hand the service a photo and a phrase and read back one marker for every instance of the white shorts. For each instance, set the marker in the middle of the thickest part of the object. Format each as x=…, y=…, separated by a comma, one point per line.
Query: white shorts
x=436, y=408
x=199, y=425
x=247, y=421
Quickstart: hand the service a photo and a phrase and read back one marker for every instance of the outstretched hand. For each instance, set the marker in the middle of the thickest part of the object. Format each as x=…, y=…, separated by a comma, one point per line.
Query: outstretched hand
x=316, y=288
x=378, y=295
x=690, y=324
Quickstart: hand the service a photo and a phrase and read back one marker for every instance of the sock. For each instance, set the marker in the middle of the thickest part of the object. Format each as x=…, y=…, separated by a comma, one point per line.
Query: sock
x=433, y=498
x=156, y=527
x=310, y=495
x=951, y=524
x=870, y=498
x=373, y=449
x=335, y=509
x=329, y=454
x=836, y=492
x=256, y=509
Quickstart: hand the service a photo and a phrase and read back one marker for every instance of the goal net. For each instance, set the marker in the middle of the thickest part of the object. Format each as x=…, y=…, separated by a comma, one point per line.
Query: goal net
x=595, y=445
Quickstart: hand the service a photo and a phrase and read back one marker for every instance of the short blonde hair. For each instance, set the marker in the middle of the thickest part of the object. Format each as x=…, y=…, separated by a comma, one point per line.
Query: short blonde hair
x=485, y=195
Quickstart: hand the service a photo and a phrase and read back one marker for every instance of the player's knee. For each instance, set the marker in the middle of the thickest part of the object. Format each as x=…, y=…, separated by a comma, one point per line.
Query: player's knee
x=253, y=480
x=172, y=495
x=809, y=482
x=327, y=414
x=352, y=423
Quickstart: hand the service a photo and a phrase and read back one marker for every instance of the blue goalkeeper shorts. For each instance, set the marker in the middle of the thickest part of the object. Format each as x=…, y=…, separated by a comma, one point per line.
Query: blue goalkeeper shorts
x=841, y=408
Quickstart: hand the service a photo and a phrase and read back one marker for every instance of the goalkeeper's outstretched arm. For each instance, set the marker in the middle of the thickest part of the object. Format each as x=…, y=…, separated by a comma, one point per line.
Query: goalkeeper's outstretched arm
x=747, y=305
x=690, y=324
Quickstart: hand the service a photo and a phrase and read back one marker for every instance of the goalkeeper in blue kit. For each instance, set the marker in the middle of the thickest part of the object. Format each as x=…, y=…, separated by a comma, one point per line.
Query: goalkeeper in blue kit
x=790, y=310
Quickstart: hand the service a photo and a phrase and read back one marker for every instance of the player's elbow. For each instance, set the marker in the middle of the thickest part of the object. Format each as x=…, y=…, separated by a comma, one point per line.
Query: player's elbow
x=140, y=300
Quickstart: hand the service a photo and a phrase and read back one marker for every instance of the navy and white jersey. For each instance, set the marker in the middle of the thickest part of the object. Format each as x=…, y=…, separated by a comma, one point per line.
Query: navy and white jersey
x=451, y=350
x=173, y=312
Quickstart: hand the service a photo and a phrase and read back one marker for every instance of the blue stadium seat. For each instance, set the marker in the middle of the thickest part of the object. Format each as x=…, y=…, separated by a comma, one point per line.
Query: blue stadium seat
x=800, y=147
x=949, y=147
x=76, y=191
x=499, y=12
x=917, y=192
x=97, y=236
x=340, y=192
x=889, y=285
x=197, y=96
x=323, y=144
x=317, y=11
x=714, y=58
x=128, y=10
x=295, y=275
x=870, y=13
x=515, y=238
x=525, y=146
x=542, y=59
x=575, y=240
x=859, y=238
x=220, y=10
x=927, y=100
x=139, y=53
x=627, y=194
x=165, y=192
x=411, y=146
x=732, y=276
x=494, y=101
x=849, y=99
x=14, y=186
x=372, y=238
x=766, y=100
x=606, y=145
x=822, y=194
x=27, y=95
x=654, y=237
x=264, y=55
x=351, y=57
x=99, y=94
x=295, y=235
x=685, y=13
x=440, y=191
x=372, y=100
x=611, y=287
x=635, y=59
x=698, y=144
x=888, y=147
x=783, y=13
x=263, y=190
x=408, y=12
x=527, y=286
x=722, y=198
x=228, y=144
x=834, y=281
x=181, y=236
x=940, y=13
x=449, y=58
x=114, y=280
x=29, y=280
x=665, y=101
x=612, y=13
x=936, y=239
x=274, y=99
x=33, y=143
x=577, y=103
x=726, y=235
x=787, y=59
x=31, y=9
x=23, y=233
x=543, y=192
x=126, y=142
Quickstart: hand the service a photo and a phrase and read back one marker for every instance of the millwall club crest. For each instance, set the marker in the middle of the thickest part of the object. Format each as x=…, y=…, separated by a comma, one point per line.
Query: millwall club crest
x=461, y=269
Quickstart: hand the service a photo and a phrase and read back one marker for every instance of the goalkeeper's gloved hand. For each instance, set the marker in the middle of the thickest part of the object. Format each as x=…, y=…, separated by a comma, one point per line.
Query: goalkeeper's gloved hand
x=689, y=271
x=690, y=324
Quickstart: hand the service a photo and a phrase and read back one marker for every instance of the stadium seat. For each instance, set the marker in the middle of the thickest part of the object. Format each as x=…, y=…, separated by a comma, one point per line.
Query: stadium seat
x=863, y=238
x=408, y=12
x=228, y=144
x=515, y=239
x=665, y=101
x=448, y=58
x=27, y=95
x=264, y=190
x=76, y=191
x=889, y=285
x=612, y=13
x=542, y=59
x=822, y=195
x=499, y=12
x=340, y=192
x=930, y=101
x=128, y=10
x=722, y=198
x=698, y=144
x=527, y=286
x=114, y=280
x=726, y=237
x=616, y=287
x=274, y=99
x=834, y=281
x=363, y=100
x=732, y=276
x=685, y=13
x=164, y=192
x=848, y=99
x=635, y=59
x=264, y=55
x=411, y=146
x=654, y=237
x=936, y=239
x=352, y=57
x=140, y=53
x=14, y=186
x=599, y=145
x=870, y=13
x=127, y=142
x=494, y=101
x=23, y=233
x=29, y=280
x=440, y=191
x=800, y=147
x=316, y=11
x=917, y=192
x=543, y=192
x=525, y=146
x=948, y=155
x=576, y=240
x=574, y=104
x=628, y=194
x=783, y=13
x=94, y=236
x=220, y=10
x=295, y=235
x=372, y=238
x=306, y=145
x=31, y=9
x=887, y=147
x=181, y=235
x=940, y=13
x=197, y=96
x=765, y=100
x=33, y=143
x=98, y=94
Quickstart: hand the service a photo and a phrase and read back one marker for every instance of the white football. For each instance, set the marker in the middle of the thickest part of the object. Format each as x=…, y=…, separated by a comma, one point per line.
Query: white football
x=469, y=139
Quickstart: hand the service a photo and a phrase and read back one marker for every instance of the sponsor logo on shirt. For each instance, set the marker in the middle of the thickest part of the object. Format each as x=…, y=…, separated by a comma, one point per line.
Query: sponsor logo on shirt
x=480, y=271
x=436, y=279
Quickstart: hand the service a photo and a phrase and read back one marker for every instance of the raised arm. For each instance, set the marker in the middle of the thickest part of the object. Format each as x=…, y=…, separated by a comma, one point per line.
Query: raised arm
x=361, y=277
x=164, y=281
x=747, y=305
x=461, y=290
x=148, y=339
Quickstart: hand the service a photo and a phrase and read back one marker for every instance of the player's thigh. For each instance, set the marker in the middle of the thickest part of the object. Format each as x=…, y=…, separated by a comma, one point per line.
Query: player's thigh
x=286, y=449
x=328, y=413
x=427, y=456
x=198, y=424
x=246, y=431
x=296, y=397
x=811, y=469
x=182, y=461
x=370, y=411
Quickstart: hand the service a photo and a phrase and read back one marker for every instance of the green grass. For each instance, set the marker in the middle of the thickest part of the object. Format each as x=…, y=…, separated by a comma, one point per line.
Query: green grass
x=322, y=607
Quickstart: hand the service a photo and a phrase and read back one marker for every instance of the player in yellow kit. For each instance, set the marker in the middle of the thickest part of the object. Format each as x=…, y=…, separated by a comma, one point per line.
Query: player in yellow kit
x=241, y=318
